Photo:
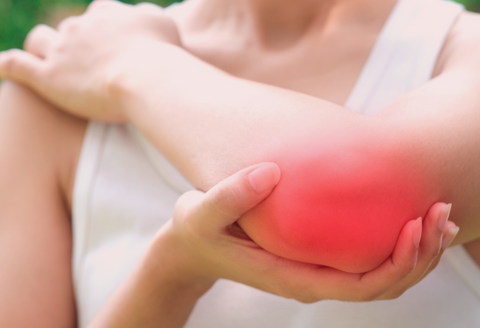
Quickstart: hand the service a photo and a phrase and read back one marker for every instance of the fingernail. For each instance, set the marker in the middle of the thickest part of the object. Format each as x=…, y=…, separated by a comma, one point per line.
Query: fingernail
x=449, y=237
x=417, y=233
x=263, y=178
x=443, y=216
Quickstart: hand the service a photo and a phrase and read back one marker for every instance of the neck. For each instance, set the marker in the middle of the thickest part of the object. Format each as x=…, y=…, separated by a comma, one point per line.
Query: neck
x=280, y=23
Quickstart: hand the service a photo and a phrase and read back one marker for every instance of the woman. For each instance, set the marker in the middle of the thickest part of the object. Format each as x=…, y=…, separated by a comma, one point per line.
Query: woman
x=308, y=24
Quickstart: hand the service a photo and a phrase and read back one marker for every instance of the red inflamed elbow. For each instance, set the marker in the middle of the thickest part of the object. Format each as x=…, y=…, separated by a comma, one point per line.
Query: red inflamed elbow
x=341, y=205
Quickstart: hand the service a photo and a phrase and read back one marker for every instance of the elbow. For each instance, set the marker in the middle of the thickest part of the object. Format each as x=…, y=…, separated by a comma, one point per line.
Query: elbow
x=340, y=204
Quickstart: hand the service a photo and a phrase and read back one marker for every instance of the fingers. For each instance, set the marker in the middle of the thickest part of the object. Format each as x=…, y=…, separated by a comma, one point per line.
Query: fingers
x=204, y=220
x=430, y=246
x=228, y=200
x=40, y=39
x=68, y=23
x=26, y=67
x=404, y=256
x=399, y=265
x=392, y=278
x=328, y=283
x=437, y=230
x=451, y=231
x=21, y=66
x=389, y=279
x=102, y=5
x=433, y=231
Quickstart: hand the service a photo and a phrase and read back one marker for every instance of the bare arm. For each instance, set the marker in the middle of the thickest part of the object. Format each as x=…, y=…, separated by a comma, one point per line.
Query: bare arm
x=161, y=291
x=429, y=139
x=163, y=288
x=261, y=269
x=226, y=123
x=427, y=143
x=200, y=244
x=210, y=124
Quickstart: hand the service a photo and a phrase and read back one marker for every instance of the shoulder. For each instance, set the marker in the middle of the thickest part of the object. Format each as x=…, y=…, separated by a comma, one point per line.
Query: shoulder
x=462, y=46
x=468, y=22
x=466, y=30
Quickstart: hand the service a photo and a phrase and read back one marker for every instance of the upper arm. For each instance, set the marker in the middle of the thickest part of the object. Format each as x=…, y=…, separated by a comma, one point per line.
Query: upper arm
x=442, y=122
x=343, y=202
x=35, y=229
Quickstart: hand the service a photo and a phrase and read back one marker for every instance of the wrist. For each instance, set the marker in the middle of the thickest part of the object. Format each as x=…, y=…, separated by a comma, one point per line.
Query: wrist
x=137, y=78
x=170, y=263
x=160, y=291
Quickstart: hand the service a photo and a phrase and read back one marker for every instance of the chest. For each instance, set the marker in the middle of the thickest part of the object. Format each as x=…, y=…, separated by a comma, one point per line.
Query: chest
x=326, y=67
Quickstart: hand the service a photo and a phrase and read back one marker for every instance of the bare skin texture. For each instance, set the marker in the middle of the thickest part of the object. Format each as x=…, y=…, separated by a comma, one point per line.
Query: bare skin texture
x=39, y=147
x=352, y=202
x=245, y=113
x=220, y=152
x=420, y=128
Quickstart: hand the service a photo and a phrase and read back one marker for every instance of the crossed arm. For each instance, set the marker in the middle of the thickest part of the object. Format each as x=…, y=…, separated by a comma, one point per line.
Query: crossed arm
x=382, y=171
x=336, y=164
x=349, y=184
x=411, y=148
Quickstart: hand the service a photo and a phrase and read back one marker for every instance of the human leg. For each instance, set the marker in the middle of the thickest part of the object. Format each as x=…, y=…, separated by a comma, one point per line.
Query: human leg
x=39, y=148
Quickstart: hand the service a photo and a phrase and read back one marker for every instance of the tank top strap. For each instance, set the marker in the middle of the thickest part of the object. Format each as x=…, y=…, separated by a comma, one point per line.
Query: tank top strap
x=404, y=54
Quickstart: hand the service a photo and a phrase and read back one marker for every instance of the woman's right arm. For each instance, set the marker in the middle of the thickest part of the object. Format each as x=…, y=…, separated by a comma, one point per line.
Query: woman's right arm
x=179, y=266
x=202, y=244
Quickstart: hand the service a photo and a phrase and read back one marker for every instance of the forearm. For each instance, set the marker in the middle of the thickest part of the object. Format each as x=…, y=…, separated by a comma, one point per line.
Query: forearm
x=210, y=124
x=336, y=165
x=159, y=292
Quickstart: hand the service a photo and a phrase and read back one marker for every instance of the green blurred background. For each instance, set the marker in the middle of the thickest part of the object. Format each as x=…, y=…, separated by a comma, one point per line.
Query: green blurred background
x=17, y=17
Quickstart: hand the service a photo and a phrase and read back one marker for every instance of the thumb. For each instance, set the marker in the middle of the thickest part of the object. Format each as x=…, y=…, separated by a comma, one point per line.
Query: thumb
x=228, y=200
x=20, y=66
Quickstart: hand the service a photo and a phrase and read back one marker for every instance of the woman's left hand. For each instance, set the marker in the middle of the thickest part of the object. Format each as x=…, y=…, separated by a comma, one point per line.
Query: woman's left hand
x=71, y=66
x=203, y=233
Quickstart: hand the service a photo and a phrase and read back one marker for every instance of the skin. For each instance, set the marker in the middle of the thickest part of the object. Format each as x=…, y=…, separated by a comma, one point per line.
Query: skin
x=286, y=113
x=35, y=240
x=322, y=190
x=137, y=284
x=202, y=228
x=421, y=124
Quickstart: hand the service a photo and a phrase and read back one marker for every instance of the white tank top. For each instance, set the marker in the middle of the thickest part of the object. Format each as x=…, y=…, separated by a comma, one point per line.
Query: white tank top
x=125, y=191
